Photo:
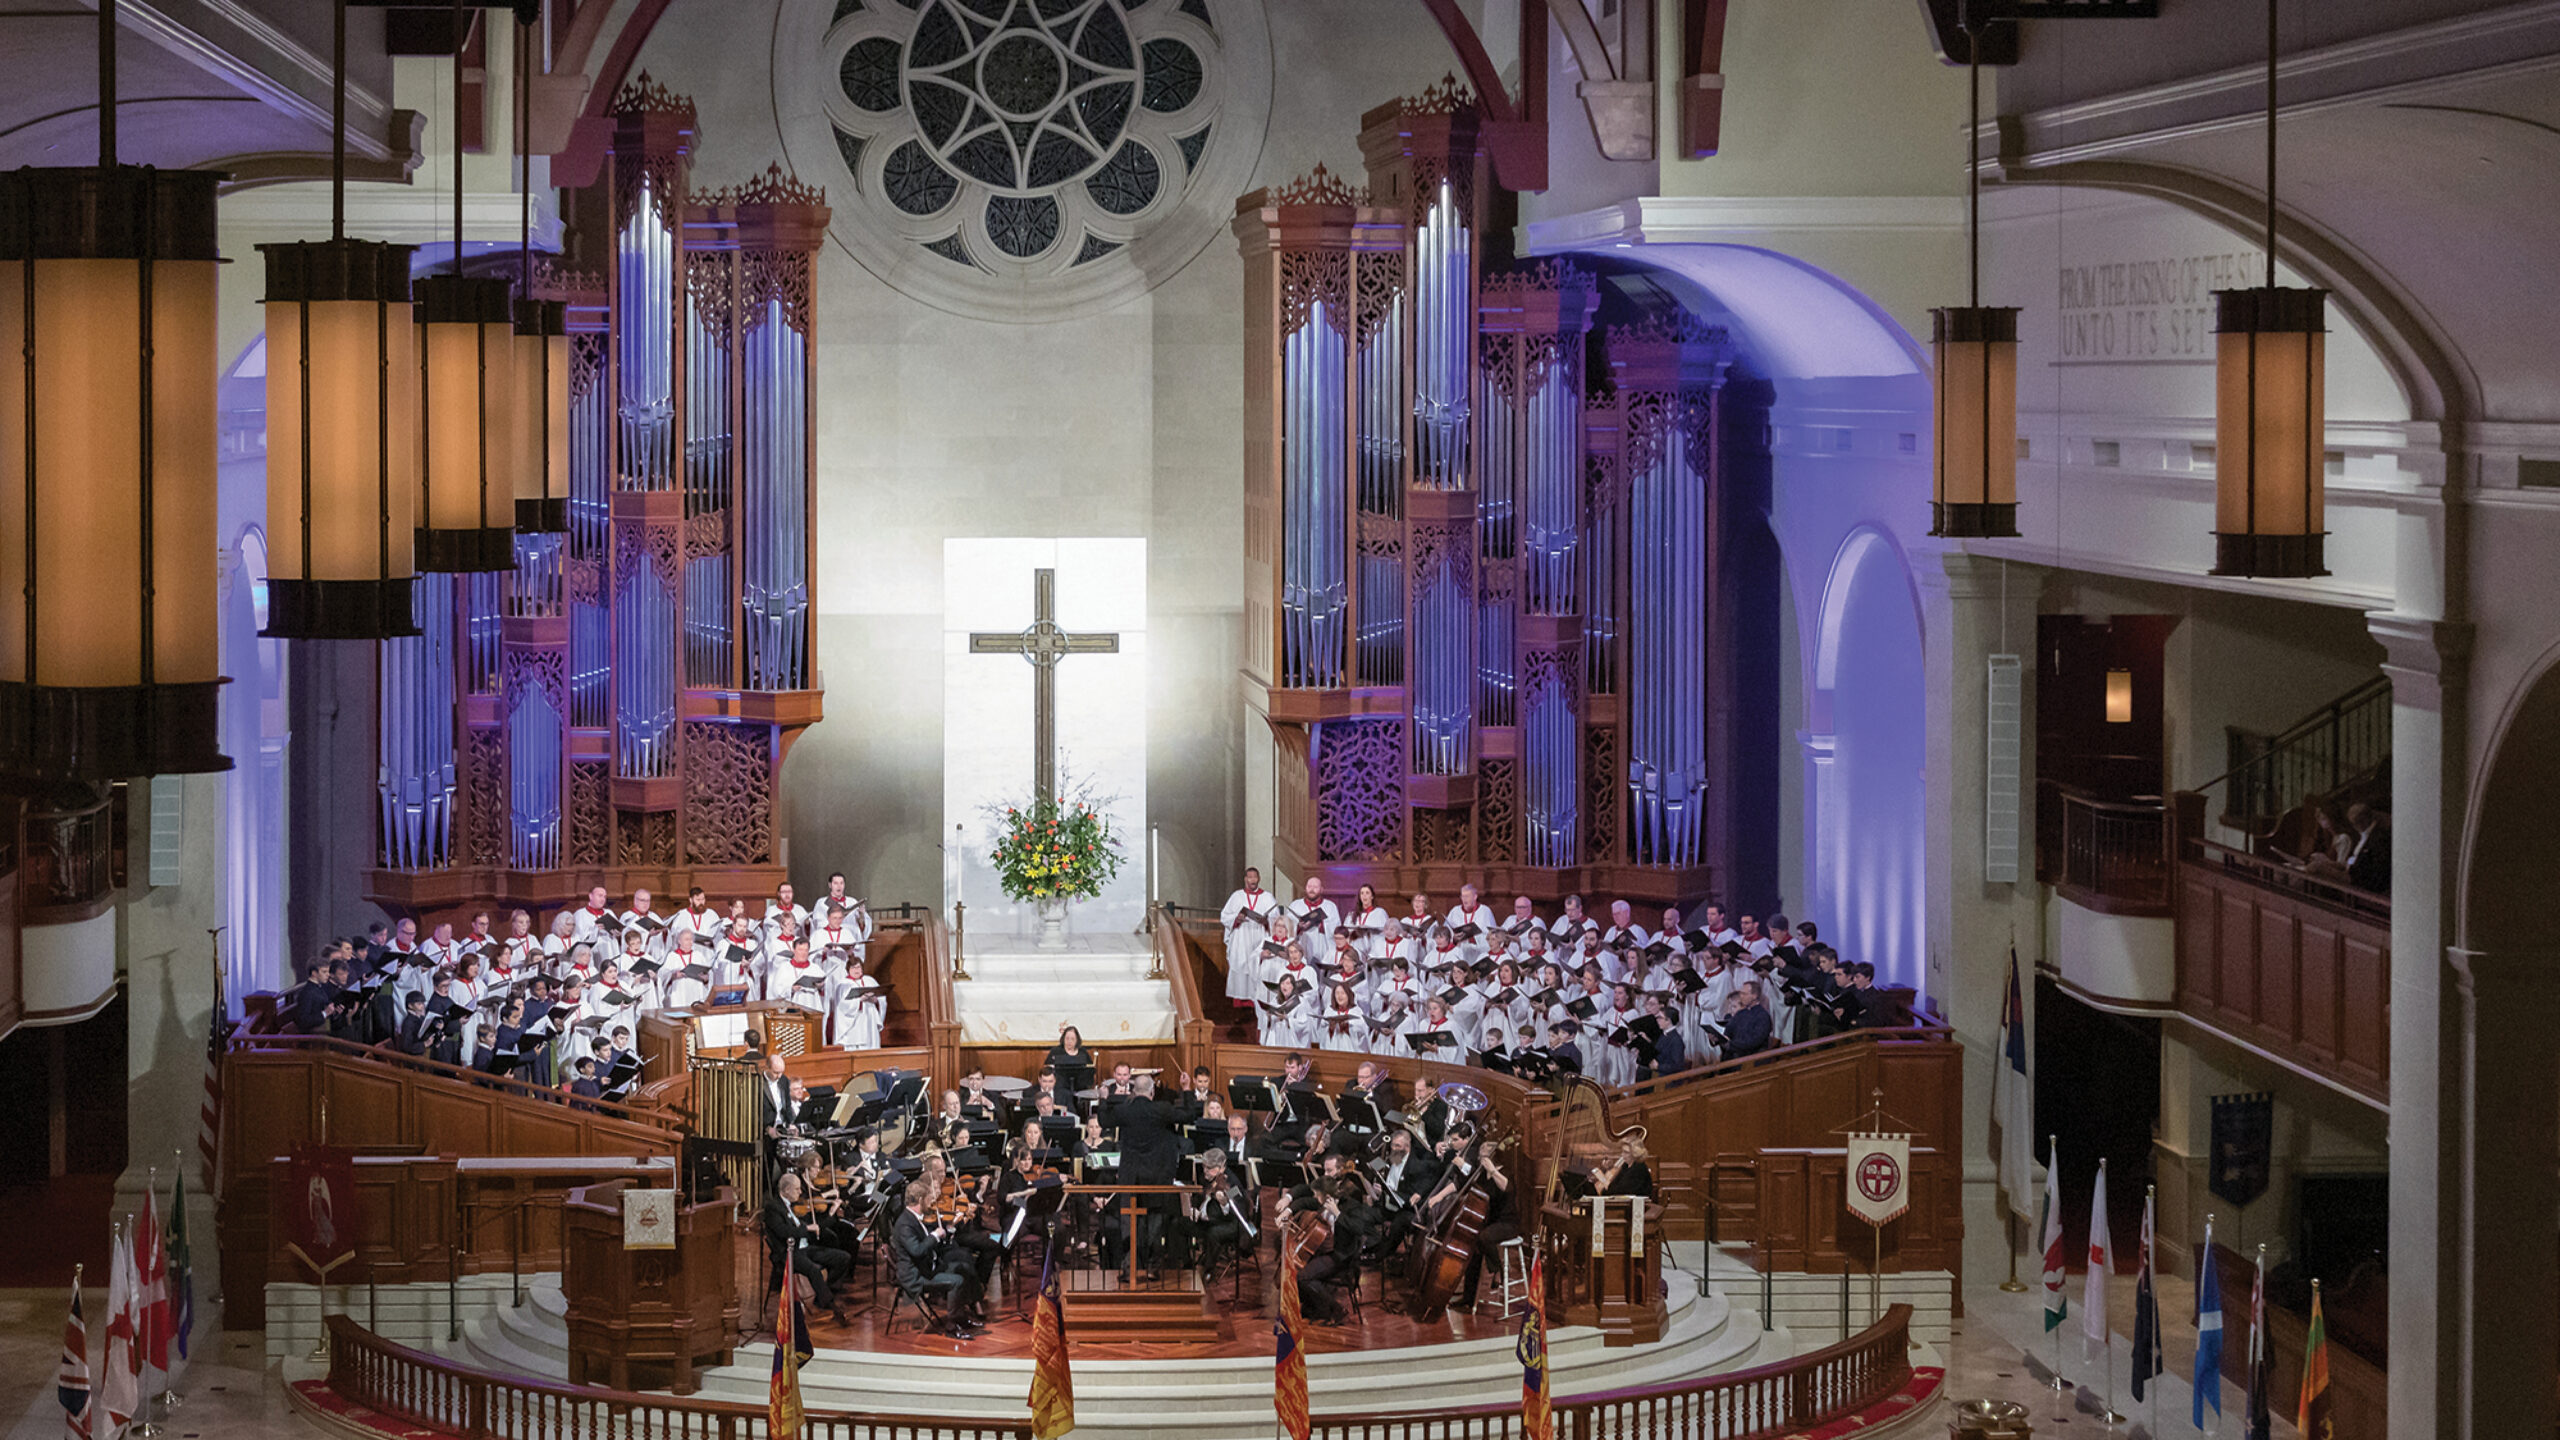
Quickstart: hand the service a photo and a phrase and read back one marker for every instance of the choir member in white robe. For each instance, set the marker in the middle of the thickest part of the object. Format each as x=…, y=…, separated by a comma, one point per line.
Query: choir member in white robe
x=1433, y=1019
x=1522, y=920
x=1513, y=1014
x=601, y=1001
x=520, y=953
x=596, y=915
x=776, y=954
x=1397, y=987
x=1367, y=916
x=685, y=953
x=1315, y=917
x=783, y=974
x=1417, y=919
x=841, y=930
x=1616, y=1063
x=1717, y=931
x=643, y=915
x=682, y=992
x=783, y=904
x=1623, y=929
x=1349, y=969
x=697, y=916
x=1291, y=965
x=1673, y=931
x=856, y=1010
x=735, y=955
x=1470, y=910
x=1286, y=1023
x=1754, y=943
x=1568, y=927
x=556, y=942
x=441, y=949
x=1395, y=942
x=1246, y=922
x=470, y=981
x=1342, y=1026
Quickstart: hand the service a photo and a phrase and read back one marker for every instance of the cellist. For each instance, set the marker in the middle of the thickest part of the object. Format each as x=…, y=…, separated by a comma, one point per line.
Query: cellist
x=1476, y=1160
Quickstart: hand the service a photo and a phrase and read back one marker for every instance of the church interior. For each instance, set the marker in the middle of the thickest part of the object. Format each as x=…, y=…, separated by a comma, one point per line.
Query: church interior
x=1174, y=719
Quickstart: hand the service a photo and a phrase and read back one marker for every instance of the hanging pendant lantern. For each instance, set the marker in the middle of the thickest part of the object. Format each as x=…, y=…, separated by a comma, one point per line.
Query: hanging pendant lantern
x=541, y=415
x=466, y=395
x=110, y=660
x=342, y=440
x=1975, y=494
x=2270, y=423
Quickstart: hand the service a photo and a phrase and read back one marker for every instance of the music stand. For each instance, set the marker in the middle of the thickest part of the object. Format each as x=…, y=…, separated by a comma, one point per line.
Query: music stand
x=1252, y=1092
x=1360, y=1112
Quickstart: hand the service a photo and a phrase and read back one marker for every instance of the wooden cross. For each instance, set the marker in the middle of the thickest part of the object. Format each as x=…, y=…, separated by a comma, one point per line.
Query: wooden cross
x=1044, y=644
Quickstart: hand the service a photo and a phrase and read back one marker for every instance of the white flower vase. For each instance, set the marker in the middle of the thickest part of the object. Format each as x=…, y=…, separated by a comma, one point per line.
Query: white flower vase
x=1053, y=922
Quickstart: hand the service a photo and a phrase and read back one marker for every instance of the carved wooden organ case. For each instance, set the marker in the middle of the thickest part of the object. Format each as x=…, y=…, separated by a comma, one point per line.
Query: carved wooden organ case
x=1478, y=576
x=616, y=709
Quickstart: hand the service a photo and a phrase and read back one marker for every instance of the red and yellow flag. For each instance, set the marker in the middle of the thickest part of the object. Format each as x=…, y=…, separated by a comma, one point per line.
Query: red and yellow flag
x=2313, y=1419
x=1537, y=1415
x=1289, y=1367
x=790, y=1347
x=1053, y=1391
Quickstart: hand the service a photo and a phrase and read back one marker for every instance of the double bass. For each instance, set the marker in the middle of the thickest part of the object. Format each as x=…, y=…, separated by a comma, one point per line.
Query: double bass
x=1445, y=1239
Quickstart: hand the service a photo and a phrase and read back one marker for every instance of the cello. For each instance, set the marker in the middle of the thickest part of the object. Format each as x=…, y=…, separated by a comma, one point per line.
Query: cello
x=1446, y=1241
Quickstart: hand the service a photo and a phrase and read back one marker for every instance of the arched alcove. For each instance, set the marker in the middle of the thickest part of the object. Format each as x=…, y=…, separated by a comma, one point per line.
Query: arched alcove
x=1869, y=759
x=254, y=729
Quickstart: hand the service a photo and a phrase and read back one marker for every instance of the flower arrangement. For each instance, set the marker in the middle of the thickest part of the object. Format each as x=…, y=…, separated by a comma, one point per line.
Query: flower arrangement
x=1055, y=849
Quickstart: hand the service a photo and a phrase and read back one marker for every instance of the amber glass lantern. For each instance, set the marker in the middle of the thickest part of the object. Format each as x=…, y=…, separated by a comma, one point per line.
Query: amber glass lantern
x=466, y=406
x=109, y=656
x=1975, y=494
x=2270, y=423
x=342, y=440
x=541, y=415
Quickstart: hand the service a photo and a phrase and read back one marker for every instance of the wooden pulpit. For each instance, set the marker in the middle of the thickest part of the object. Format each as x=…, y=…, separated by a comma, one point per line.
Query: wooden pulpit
x=660, y=1310
x=1614, y=1285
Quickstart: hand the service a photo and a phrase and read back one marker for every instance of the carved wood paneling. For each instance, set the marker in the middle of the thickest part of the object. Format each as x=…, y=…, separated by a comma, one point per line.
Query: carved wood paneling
x=1603, y=792
x=1310, y=276
x=1359, y=790
x=484, y=796
x=645, y=837
x=1444, y=836
x=728, y=794
x=590, y=837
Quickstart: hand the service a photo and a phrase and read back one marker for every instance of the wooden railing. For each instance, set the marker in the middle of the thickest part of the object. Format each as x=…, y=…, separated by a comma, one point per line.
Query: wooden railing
x=1781, y=1399
x=249, y=1049
x=2336, y=745
x=2106, y=855
x=436, y=1395
x=1181, y=948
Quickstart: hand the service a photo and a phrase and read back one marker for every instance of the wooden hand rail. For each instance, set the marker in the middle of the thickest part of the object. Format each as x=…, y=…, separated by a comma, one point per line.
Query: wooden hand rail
x=438, y=1395
x=273, y=1043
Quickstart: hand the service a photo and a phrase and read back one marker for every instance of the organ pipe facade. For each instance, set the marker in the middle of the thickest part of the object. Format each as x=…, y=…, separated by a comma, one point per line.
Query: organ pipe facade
x=616, y=708
x=1480, y=542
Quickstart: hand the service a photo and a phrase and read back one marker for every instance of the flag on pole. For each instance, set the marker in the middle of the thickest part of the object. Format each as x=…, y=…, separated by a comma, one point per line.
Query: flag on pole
x=209, y=1113
x=1537, y=1412
x=2314, y=1419
x=2259, y=1425
x=1288, y=1366
x=151, y=1284
x=2093, y=1286
x=120, y=1384
x=1053, y=1390
x=182, y=1277
x=2013, y=1102
x=72, y=1384
x=2147, y=1361
x=2057, y=1306
x=790, y=1347
x=2208, y=1332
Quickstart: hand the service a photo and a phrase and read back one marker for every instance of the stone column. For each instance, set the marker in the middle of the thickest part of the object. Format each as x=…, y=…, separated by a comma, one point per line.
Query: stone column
x=331, y=792
x=1973, y=922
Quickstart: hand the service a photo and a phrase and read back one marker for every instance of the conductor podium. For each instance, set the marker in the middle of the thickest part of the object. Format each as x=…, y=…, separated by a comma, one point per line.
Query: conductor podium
x=1115, y=1305
x=636, y=1299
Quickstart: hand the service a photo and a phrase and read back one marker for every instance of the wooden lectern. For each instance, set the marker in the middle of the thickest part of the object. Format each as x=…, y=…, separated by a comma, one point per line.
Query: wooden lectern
x=669, y=1037
x=1615, y=1286
x=660, y=1308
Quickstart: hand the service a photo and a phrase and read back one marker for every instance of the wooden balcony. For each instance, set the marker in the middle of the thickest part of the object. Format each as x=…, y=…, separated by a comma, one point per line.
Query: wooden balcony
x=2295, y=968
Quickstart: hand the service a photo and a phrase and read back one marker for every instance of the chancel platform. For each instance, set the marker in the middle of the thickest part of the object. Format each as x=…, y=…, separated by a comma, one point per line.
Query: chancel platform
x=1019, y=995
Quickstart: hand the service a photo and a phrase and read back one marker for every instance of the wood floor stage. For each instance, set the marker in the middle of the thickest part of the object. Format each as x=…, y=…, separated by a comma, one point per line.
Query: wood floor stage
x=1244, y=1324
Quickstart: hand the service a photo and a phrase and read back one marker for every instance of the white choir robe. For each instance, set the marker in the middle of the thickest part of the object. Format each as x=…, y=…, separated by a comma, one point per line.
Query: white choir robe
x=1275, y=967
x=1289, y=1030
x=1567, y=931
x=1515, y=1018
x=1481, y=917
x=1384, y=990
x=591, y=922
x=1353, y=1036
x=773, y=913
x=682, y=993
x=1244, y=942
x=1422, y=1024
x=855, y=1016
x=657, y=937
x=1359, y=984
x=704, y=922
x=441, y=956
x=1373, y=920
x=416, y=977
x=1609, y=1064
x=728, y=973
x=1319, y=919
x=782, y=978
x=847, y=938
x=523, y=953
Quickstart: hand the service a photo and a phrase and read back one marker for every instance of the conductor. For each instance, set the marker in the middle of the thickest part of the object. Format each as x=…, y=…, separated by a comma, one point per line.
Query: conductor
x=1150, y=1151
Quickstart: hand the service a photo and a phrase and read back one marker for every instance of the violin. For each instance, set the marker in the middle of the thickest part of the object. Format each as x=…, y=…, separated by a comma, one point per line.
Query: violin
x=958, y=1200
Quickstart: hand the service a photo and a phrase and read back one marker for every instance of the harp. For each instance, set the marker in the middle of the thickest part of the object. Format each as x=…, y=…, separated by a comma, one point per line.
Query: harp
x=1582, y=1133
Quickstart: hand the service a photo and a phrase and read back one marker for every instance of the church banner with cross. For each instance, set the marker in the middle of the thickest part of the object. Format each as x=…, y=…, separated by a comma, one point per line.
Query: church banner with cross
x=1044, y=687
x=1879, y=1172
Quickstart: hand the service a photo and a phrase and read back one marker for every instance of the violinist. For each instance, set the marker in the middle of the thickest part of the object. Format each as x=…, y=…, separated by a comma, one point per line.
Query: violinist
x=959, y=1222
x=1014, y=1187
x=786, y=1233
x=822, y=1204
x=1221, y=1218
x=1407, y=1177
x=924, y=1264
x=951, y=1126
x=1474, y=1161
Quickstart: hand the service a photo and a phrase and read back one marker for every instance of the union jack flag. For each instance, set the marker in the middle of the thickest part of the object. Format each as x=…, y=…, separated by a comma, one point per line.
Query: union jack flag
x=72, y=1385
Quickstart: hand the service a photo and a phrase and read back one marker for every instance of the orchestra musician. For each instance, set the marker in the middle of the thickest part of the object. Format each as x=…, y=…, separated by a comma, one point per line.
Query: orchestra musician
x=823, y=1266
x=922, y=1262
x=1222, y=1218
x=1150, y=1145
x=1406, y=1176
x=959, y=1223
x=1627, y=1172
x=1335, y=1221
x=1474, y=1160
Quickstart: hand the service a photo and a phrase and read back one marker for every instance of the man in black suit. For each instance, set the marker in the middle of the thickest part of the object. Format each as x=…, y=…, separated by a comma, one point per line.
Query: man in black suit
x=1746, y=1023
x=1562, y=1050
x=416, y=1031
x=774, y=1109
x=787, y=1234
x=312, y=1000
x=1428, y=1110
x=916, y=1259
x=1150, y=1154
x=1411, y=1174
